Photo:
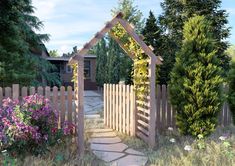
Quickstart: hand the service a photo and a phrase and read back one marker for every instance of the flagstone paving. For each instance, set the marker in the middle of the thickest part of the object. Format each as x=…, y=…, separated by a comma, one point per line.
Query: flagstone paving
x=107, y=146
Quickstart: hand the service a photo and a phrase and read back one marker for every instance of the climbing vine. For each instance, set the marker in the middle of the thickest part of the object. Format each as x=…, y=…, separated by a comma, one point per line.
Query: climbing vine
x=140, y=66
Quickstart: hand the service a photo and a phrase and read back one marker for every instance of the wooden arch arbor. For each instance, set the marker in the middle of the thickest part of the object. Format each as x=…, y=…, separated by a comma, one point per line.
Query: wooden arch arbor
x=78, y=58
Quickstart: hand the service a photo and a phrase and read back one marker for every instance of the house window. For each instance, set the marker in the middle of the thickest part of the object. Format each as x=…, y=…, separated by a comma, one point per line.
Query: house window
x=87, y=69
x=68, y=69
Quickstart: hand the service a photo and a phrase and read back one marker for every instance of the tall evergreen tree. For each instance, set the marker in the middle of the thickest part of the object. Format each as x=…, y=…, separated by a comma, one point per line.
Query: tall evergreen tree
x=175, y=13
x=196, y=79
x=17, y=39
x=113, y=63
x=154, y=36
x=101, y=62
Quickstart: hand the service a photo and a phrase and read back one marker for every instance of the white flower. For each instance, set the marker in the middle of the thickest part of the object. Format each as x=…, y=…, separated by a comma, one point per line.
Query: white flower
x=170, y=128
x=188, y=148
x=222, y=138
x=4, y=151
x=172, y=140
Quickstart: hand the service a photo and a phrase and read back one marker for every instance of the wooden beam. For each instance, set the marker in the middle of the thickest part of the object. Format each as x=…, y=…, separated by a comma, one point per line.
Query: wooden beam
x=94, y=40
x=136, y=37
x=121, y=45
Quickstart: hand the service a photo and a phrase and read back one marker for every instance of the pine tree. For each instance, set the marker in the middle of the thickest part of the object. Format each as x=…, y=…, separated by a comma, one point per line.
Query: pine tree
x=153, y=35
x=175, y=13
x=196, y=79
x=17, y=39
x=113, y=63
x=231, y=95
x=101, y=62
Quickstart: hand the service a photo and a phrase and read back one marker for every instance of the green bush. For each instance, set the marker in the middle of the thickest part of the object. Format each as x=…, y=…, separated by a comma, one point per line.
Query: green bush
x=196, y=80
x=231, y=97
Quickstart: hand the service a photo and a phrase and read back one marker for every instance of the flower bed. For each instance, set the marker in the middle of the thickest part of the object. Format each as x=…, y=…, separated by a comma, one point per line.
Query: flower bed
x=30, y=126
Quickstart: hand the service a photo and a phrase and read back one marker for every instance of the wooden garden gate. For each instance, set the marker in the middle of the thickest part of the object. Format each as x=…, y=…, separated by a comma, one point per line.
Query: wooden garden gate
x=148, y=113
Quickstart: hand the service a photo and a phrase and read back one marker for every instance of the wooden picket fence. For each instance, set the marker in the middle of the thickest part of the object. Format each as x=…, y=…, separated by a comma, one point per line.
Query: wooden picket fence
x=121, y=111
x=119, y=108
x=62, y=99
x=165, y=115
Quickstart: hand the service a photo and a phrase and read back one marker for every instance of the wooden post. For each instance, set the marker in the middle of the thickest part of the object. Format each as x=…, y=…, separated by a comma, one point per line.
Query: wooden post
x=152, y=116
x=124, y=109
x=158, y=108
x=15, y=91
x=40, y=90
x=55, y=102
x=120, y=108
x=163, y=107
x=80, y=107
x=113, y=106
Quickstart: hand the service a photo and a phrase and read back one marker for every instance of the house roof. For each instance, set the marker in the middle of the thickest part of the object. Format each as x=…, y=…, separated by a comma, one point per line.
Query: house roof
x=67, y=58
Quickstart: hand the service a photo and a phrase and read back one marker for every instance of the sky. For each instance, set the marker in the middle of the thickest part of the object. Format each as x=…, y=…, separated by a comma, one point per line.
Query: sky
x=74, y=22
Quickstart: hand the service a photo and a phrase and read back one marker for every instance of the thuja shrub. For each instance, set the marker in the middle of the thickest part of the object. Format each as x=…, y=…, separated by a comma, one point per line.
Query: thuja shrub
x=30, y=126
x=231, y=94
x=195, y=85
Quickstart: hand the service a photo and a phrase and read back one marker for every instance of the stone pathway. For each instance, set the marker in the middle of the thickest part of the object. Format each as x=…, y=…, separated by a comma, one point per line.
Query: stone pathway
x=93, y=103
x=107, y=146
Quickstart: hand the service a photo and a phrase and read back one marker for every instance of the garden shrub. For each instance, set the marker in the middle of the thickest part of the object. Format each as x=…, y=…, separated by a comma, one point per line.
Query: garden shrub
x=30, y=126
x=231, y=97
x=195, y=85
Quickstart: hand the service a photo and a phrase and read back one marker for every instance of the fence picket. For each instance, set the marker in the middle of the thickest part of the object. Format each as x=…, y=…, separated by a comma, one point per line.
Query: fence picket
x=70, y=103
x=15, y=91
x=32, y=90
x=24, y=91
x=124, y=109
x=120, y=107
x=62, y=104
x=158, y=107
x=116, y=106
x=48, y=92
x=163, y=107
x=8, y=92
x=1, y=95
x=128, y=109
x=40, y=90
x=105, y=105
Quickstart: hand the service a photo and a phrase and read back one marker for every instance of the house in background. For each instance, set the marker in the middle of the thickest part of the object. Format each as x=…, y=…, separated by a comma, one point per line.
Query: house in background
x=66, y=73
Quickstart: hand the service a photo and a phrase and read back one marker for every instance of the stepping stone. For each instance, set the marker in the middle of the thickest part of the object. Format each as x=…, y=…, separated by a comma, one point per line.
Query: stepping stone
x=105, y=140
x=119, y=147
x=108, y=156
x=130, y=160
x=132, y=151
x=106, y=134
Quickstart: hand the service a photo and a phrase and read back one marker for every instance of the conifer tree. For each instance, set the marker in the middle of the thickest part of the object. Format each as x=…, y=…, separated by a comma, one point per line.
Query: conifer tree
x=196, y=79
x=176, y=13
x=113, y=63
x=101, y=62
x=153, y=35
